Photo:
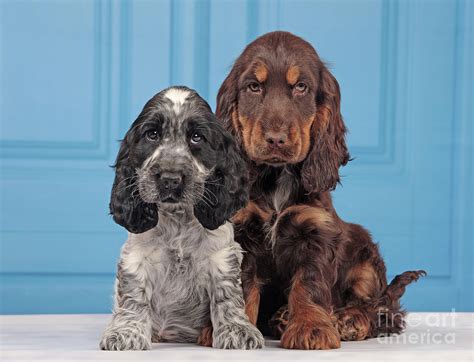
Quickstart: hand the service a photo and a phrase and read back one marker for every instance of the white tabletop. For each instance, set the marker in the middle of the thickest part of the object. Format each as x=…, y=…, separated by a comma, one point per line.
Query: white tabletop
x=429, y=336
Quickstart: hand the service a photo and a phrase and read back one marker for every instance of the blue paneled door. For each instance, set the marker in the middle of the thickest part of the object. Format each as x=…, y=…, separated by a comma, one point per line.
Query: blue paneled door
x=75, y=74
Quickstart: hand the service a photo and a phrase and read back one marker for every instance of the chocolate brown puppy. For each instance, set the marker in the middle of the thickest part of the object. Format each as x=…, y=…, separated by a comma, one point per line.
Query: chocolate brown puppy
x=308, y=276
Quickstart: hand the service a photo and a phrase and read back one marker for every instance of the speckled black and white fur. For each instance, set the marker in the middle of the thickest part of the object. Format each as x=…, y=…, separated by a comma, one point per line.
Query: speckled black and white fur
x=179, y=270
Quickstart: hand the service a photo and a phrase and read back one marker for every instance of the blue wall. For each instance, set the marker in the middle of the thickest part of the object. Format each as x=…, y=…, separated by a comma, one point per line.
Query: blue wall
x=75, y=74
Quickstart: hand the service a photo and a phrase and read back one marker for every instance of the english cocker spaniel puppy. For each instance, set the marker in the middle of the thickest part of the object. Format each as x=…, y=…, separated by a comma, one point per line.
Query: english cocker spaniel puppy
x=178, y=180
x=308, y=276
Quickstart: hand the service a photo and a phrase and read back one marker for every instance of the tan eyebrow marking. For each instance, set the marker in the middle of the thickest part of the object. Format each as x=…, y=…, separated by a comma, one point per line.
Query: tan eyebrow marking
x=261, y=72
x=292, y=74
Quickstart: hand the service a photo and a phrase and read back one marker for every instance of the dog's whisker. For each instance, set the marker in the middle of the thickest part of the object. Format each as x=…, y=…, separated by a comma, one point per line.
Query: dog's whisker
x=125, y=180
x=214, y=183
x=208, y=192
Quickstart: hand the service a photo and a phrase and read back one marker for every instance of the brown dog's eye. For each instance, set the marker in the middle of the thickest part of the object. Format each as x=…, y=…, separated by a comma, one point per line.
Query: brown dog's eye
x=255, y=87
x=300, y=87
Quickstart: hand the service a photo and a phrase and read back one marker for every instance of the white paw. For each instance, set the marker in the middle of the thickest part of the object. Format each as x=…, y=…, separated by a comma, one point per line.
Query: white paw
x=123, y=339
x=237, y=336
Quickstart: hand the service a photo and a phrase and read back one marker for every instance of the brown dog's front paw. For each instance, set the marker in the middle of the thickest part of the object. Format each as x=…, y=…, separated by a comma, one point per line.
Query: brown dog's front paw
x=279, y=321
x=205, y=337
x=307, y=335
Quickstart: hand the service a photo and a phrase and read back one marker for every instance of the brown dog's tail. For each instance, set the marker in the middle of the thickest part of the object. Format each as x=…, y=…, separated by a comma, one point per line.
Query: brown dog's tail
x=397, y=286
x=390, y=316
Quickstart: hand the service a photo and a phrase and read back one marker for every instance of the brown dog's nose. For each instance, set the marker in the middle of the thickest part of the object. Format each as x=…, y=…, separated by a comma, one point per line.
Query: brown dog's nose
x=275, y=138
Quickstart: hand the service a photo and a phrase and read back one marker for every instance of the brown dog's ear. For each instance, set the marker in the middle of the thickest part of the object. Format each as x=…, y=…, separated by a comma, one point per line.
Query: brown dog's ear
x=227, y=102
x=320, y=171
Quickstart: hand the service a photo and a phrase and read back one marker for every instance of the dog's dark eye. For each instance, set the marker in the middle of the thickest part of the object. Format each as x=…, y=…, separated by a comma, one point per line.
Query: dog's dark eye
x=196, y=138
x=301, y=87
x=255, y=87
x=152, y=135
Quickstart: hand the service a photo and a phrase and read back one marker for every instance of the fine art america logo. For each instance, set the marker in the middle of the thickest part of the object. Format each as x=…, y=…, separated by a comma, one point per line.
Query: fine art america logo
x=421, y=328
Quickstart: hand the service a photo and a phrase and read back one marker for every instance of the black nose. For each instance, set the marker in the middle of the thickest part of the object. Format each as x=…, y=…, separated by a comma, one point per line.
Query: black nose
x=170, y=182
x=275, y=138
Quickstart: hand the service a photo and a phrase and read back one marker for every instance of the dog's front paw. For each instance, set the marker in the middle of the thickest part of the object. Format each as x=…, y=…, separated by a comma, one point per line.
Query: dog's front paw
x=123, y=339
x=279, y=321
x=237, y=336
x=307, y=335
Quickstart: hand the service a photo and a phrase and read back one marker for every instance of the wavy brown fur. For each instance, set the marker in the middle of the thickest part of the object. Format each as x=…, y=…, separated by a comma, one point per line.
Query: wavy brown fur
x=282, y=105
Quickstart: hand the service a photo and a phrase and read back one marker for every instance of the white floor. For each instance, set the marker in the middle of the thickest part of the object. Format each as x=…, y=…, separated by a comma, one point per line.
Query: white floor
x=429, y=336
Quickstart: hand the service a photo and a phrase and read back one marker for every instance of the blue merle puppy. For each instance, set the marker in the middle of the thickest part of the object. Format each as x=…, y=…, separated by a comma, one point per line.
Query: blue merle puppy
x=179, y=178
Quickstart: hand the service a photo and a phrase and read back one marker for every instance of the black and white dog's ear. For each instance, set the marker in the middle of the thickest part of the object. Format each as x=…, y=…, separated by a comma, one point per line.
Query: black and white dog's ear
x=126, y=205
x=226, y=189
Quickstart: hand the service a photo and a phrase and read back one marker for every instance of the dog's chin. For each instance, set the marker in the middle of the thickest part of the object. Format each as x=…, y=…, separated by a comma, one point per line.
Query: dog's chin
x=277, y=159
x=272, y=160
x=275, y=162
x=170, y=200
x=172, y=206
x=272, y=157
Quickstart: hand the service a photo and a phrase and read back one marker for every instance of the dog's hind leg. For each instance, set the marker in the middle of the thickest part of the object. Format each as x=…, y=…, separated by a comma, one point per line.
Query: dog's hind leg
x=360, y=283
x=380, y=316
x=365, y=283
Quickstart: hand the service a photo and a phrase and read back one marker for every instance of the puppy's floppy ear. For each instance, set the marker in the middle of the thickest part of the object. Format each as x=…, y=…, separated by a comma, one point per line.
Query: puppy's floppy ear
x=225, y=190
x=126, y=205
x=320, y=171
x=227, y=101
